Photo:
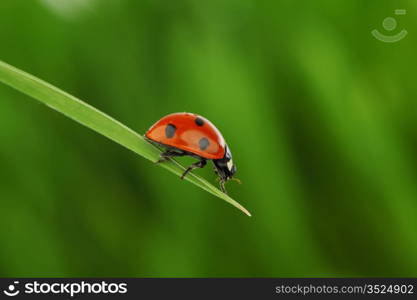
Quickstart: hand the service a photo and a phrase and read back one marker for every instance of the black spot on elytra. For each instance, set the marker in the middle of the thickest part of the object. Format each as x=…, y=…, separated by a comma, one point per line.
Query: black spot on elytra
x=199, y=121
x=170, y=131
x=203, y=143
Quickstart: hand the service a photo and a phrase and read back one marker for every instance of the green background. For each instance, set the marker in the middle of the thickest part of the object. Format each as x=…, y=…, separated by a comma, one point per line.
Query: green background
x=320, y=117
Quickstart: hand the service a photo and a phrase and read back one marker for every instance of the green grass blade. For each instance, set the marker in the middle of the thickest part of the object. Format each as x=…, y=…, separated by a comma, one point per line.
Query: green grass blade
x=99, y=122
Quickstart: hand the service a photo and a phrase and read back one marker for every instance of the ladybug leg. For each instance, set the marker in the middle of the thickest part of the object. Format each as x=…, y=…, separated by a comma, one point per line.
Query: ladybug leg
x=168, y=154
x=199, y=164
x=222, y=182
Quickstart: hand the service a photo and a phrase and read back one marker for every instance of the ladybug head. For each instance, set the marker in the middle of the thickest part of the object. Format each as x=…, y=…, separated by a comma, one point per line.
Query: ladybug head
x=225, y=167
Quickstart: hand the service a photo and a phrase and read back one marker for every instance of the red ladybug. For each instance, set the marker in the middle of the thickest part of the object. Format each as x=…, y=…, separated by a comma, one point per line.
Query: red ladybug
x=190, y=134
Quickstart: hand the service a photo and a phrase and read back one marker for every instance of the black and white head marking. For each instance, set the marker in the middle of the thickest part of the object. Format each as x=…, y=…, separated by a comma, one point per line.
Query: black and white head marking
x=225, y=166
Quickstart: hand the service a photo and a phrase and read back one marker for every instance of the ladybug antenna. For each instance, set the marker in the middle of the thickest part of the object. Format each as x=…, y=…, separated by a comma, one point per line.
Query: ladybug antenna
x=237, y=180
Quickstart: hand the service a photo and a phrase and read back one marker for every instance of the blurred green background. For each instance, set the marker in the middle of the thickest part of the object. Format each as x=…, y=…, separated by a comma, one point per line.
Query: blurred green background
x=320, y=117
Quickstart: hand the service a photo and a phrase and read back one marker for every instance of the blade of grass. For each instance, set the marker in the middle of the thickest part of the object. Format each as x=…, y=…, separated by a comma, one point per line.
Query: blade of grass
x=99, y=122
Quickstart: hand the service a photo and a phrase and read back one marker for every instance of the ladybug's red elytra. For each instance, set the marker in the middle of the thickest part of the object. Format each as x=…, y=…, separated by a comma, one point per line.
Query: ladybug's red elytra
x=192, y=135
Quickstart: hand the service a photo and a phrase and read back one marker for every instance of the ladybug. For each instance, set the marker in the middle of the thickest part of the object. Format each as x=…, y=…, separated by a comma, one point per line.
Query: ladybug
x=188, y=134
